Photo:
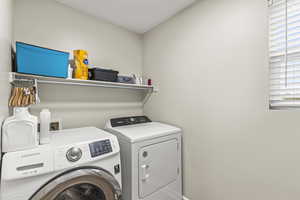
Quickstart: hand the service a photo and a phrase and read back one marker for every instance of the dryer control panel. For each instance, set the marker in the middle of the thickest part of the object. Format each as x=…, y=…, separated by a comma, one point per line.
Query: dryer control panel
x=124, y=121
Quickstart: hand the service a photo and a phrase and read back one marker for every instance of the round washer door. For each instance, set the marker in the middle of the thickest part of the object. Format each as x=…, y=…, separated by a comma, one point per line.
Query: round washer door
x=81, y=184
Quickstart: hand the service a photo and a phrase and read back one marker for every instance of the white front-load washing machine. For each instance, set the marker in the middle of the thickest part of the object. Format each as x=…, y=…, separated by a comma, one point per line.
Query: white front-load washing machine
x=151, y=158
x=78, y=164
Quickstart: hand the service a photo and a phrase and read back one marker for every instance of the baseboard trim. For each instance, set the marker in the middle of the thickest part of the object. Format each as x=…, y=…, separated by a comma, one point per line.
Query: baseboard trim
x=184, y=198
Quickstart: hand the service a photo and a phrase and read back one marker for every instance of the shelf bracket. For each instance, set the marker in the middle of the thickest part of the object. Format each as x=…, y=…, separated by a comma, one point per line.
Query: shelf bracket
x=148, y=95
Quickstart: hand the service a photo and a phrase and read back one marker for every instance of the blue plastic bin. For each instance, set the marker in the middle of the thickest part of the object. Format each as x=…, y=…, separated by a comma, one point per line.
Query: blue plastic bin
x=41, y=61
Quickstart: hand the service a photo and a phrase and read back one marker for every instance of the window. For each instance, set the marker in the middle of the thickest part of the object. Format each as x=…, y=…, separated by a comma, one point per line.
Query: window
x=284, y=53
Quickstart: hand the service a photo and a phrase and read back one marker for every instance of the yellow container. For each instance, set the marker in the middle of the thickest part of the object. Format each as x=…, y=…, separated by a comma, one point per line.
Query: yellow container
x=81, y=64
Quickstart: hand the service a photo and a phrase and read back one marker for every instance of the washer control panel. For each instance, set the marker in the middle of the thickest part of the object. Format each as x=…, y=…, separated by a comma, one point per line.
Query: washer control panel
x=80, y=153
x=100, y=147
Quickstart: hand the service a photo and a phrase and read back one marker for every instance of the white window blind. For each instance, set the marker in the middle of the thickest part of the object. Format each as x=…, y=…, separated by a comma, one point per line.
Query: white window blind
x=284, y=53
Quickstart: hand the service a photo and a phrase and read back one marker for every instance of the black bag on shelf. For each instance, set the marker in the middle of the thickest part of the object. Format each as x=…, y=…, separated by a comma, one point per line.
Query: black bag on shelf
x=99, y=74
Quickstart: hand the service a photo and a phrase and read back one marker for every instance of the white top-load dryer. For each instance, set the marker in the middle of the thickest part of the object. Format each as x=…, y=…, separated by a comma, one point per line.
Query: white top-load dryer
x=77, y=164
x=150, y=157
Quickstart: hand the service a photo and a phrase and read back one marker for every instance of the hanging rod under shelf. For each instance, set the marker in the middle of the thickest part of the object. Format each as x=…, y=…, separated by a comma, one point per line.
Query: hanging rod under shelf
x=89, y=83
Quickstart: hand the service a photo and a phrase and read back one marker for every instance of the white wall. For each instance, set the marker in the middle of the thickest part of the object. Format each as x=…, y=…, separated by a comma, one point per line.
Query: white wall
x=211, y=65
x=5, y=62
x=51, y=24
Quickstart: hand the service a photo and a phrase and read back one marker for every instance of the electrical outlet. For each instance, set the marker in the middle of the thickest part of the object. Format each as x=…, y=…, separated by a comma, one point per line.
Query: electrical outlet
x=55, y=125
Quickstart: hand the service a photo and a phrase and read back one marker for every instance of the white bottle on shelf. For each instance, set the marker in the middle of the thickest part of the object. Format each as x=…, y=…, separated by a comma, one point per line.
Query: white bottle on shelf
x=45, y=120
x=20, y=131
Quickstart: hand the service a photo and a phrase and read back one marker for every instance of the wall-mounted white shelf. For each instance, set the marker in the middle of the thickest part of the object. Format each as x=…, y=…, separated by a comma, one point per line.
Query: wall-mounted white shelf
x=88, y=83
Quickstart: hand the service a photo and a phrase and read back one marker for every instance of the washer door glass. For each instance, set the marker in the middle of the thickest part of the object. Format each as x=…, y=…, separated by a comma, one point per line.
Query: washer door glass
x=80, y=184
x=82, y=192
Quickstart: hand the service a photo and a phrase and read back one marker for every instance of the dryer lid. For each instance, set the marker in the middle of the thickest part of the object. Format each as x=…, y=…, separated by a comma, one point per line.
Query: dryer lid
x=143, y=131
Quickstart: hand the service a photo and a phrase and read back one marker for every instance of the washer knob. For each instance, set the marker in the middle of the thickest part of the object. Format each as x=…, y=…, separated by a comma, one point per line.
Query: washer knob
x=74, y=154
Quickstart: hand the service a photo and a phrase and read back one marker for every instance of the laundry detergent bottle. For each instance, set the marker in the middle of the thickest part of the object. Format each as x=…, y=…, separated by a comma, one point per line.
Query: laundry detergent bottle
x=81, y=64
x=45, y=119
x=19, y=132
